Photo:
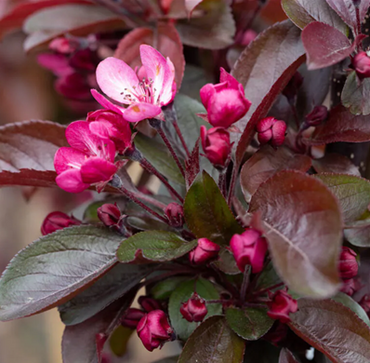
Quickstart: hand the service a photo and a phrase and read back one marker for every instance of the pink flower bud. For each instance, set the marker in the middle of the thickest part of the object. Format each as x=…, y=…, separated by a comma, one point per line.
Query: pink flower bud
x=194, y=309
x=348, y=266
x=361, y=64
x=249, y=248
x=281, y=305
x=204, y=251
x=225, y=102
x=109, y=214
x=149, y=304
x=74, y=86
x=84, y=60
x=132, y=317
x=317, y=116
x=57, y=220
x=154, y=330
x=271, y=131
x=350, y=286
x=175, y=214
x=248, y=37
x=63, y=45
x=216, y=144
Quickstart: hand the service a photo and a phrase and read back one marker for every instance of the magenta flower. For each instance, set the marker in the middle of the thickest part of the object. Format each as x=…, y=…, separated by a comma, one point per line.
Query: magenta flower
x=132, y=317
x=57, y=220
x=204, y=251
x=348, y=266
x=281, y=306
x=194, y=309
x=144, y=92
x=154, y=330
x=225, y=102
x=110, y=125
x=89, y=160
x=249, y=248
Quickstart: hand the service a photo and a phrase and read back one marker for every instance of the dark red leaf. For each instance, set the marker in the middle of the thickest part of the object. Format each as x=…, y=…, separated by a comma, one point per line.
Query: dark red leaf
x=325, y=45
x=286, y=356
x=15, y=18
x=333, y=329
x=341, y=126
x=266, y=162
x=264, y=69
x=167, y=42
x=335, y=163
x=306, y=258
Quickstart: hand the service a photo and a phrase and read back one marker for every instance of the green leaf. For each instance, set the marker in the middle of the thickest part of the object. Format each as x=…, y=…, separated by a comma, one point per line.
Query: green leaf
x=303, y=12
x=306, y=258
x=267, y=278
x=213, y=342
x=181, y=294
x=355, y=95
x=207, y=213
x=163, y=289
x=352, y=192
x=249, y=323
x=159, y=156
x=157, y=246
x=109, y=288
x=333, y=329
x=119, y=339
x=226, y=262
x=52, y=269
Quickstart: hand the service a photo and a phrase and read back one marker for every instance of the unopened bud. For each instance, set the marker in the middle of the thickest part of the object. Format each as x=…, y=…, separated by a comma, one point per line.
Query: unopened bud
x=281, y=305
x=109, y=214
x=132, y=318
x=149, y=304
x=204, y=251
x=348, y=266
x=57, y=220
x=175, y=214
x=194, y=309
x=317, y=116
x=271, y=131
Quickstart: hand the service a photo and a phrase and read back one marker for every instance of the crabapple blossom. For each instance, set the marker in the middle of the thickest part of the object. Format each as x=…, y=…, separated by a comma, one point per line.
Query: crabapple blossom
x=204, y=251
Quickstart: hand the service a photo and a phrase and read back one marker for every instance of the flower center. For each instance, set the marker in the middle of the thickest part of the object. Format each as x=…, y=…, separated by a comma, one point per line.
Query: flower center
x=143, y=92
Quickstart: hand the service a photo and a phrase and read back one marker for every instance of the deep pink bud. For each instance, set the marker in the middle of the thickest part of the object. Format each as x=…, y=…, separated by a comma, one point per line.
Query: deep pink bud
x=57, y=220
x=248, y=37
x=361, y=64
x=194, y=309
x=350, y=286
x=249, y=248
x=154, y=330
x=348, y=266
x=281, y=305
x=271, y=131
x=132, y=318
x=175, y=214
x=109, y=214
x=225, y=102
x=74, y=86
x=317, y=116
x=149, y=304
x=365, y=303
x=84, y=60
x=204, y=251
x=216, y=144
x=63, y=45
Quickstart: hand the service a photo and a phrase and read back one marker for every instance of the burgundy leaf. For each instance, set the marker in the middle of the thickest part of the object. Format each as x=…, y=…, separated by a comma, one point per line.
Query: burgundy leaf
x=347, y=10
x=335, y=163
x=325, y=45
x=341, y=126
x=306, y=258
x=323, y=324
x=15, y=18
x=286, y=356
x=168, y=43
x=266, y=162
x=264, y=69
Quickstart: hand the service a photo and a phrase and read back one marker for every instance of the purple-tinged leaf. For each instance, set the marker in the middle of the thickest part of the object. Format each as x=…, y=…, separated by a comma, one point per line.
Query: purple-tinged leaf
x=213, y=341
x=286, y=356
x=156, y=246
x=114, y=284
x=325, y=45
x=352, y=192
x=323, y=324
x=266, y=162
x=347, y=10
x=53, y=269
x=356, y=95
x=207, y=213
x=79, y=343
x=304, y=12
x=335, y=163
x=306, y=258
x=264, y=69
x=249, y=323
x=226, y=262
x=341, y=126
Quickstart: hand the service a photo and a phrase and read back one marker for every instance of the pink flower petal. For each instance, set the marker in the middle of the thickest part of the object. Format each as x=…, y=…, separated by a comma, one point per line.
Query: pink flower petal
x=57, y=63
x=206, y=92
x=116, y=78
x=95, y=170
x=71, y=181
x=141, y=111
x=101, y=129
x=227, y=77
x=106, y=103
x=67, y=158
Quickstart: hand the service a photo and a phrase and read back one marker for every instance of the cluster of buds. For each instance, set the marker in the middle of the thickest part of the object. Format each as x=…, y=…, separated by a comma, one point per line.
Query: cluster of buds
x=226, y=104
x=151, y=323
x=74, y=64
x=348, y=269
x=57, y=220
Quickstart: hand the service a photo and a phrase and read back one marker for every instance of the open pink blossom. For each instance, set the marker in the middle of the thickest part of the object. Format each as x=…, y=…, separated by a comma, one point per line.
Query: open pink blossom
x=89, y=160
x=144, y=92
